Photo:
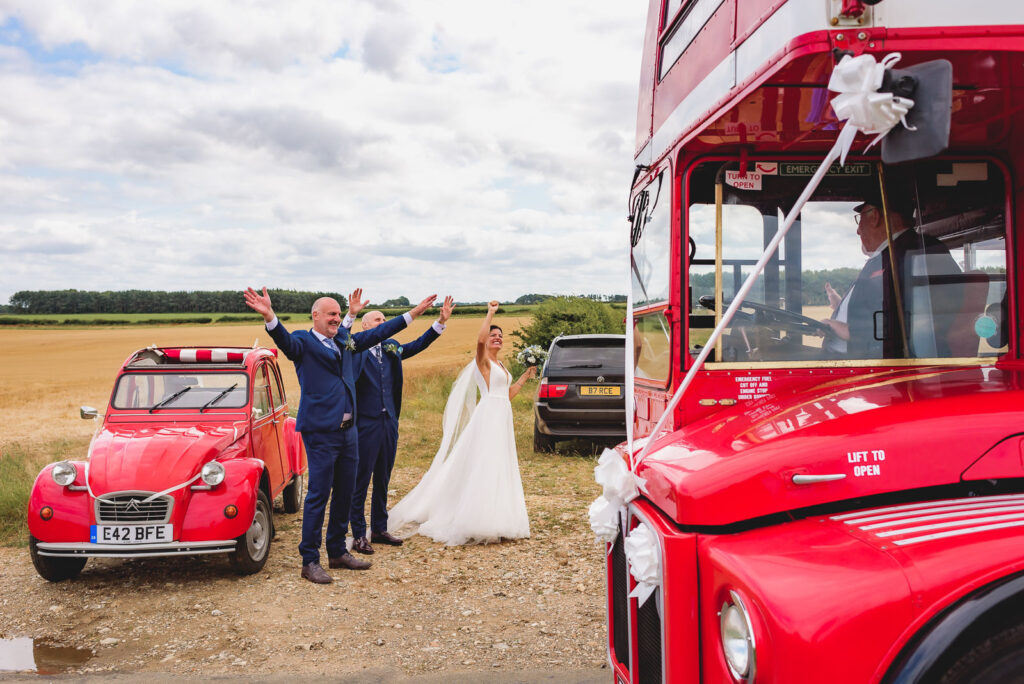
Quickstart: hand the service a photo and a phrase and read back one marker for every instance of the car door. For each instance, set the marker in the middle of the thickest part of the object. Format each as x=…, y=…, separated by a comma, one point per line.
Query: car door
x=279, y=407
x=266, y=442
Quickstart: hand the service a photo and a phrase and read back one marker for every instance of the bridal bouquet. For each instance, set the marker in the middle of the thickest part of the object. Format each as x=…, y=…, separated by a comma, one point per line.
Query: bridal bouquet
x=531, y=356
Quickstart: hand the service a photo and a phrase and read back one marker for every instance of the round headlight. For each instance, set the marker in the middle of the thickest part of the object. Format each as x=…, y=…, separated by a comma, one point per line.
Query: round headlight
x=64, y=473
x=212, y=473
x=738, y=638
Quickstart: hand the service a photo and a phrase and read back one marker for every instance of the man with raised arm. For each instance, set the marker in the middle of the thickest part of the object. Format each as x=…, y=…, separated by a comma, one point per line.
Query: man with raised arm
x=327, y=410
x=378, y=372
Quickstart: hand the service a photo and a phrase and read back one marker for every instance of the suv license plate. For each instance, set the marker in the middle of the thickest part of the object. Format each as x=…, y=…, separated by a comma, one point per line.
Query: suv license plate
x=129, y=534
x=597, y=391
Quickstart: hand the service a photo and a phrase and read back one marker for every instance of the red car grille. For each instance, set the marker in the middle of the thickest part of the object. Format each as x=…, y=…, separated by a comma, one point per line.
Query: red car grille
x=647, y=627
x=132, y=507
x=620, y=602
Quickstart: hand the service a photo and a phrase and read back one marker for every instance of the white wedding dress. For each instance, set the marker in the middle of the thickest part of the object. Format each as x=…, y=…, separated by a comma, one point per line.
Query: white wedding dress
x=472, y=493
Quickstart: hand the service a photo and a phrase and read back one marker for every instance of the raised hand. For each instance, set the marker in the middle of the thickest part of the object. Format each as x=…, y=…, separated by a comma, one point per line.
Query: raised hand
x=422, y=306
x=259, y=303
x=834, y=298
x=446, y=310
x=356, y=303
x=493, y=305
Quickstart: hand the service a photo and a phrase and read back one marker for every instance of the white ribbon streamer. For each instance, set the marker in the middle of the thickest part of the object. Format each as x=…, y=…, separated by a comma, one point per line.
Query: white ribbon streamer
x=643, y=555
x=842, y=145
x=864, y=109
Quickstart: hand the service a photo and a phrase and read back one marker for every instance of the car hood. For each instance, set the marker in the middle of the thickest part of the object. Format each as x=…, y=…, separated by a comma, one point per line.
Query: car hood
x=152, y=458
x=883, y=432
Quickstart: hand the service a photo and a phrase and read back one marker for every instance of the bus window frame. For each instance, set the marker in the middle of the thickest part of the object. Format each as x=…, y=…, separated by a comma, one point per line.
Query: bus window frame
x=1012, y=256
x=666, y=168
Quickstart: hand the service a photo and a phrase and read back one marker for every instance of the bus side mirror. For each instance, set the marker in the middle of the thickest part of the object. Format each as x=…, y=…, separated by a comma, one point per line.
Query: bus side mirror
x=930, y=86
x=87, y=412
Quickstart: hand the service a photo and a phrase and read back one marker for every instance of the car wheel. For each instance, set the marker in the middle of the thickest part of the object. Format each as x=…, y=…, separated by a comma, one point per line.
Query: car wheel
x=52, y=568
x=293, y=494
x=253, y=547
x=998, y=659
x=542, y=443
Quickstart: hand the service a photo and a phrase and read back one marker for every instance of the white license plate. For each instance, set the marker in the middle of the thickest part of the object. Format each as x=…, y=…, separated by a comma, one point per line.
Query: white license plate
x=130, y=534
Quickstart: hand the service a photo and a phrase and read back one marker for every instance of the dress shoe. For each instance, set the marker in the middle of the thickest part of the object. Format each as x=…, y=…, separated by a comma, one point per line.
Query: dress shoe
x=385, y=537
x=316, y=574
x=360, y=545
x=347, y=560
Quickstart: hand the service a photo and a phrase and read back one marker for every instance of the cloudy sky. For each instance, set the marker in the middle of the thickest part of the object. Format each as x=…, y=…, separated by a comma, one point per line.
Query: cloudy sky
x=482, y=149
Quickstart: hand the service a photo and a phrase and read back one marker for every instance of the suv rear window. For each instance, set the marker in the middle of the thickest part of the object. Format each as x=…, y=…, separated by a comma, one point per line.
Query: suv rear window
x=589, y=354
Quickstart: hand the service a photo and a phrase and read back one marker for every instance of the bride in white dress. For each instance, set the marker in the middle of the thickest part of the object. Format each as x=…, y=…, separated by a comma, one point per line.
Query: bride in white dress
x=472, y=493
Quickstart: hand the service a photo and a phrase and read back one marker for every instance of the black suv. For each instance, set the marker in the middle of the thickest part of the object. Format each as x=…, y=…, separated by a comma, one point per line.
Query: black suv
x=581, y=391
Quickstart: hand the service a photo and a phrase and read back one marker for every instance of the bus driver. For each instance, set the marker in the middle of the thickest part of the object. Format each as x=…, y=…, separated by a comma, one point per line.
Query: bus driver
x=866, y=323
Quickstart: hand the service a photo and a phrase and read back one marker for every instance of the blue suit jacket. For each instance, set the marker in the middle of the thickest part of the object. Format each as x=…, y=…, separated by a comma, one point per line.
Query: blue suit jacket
x=368, y=379
x=326, y=378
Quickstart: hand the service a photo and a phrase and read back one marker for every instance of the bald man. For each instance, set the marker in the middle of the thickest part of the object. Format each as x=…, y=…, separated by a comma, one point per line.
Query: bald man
x=323, y=359
x=378, y=373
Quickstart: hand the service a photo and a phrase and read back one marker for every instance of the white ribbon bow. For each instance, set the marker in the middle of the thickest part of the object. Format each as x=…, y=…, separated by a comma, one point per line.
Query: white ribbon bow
x=644, y=557
x=621, y=486
x=857, y=80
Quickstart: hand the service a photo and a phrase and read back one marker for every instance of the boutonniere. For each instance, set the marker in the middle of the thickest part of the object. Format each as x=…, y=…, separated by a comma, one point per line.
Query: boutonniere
x=350, y=344
x=392, y=348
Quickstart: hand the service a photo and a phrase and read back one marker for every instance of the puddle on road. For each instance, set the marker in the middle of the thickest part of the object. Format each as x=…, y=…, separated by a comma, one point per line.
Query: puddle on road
x=31, y=655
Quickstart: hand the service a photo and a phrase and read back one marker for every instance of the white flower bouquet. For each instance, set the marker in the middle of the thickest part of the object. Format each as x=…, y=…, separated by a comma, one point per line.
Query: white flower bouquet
x=531, y=356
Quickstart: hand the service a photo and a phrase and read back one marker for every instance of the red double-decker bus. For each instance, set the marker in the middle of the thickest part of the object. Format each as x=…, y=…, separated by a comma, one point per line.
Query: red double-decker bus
x=839, y=495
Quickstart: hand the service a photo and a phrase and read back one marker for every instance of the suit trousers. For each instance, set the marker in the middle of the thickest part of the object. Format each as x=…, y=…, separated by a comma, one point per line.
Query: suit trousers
x=333, y=459
x=378, y=442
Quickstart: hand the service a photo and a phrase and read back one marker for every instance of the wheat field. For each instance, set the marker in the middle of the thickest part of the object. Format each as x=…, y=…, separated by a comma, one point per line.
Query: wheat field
x=46, y=374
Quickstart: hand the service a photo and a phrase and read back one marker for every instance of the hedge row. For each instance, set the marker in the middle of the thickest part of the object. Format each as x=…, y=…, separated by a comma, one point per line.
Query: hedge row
x=201, y=320
x=469, y=310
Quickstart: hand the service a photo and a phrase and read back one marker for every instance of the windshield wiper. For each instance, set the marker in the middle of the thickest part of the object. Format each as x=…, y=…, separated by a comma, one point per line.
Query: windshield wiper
x=217, y=398
x=586, y=365
x=170, y=398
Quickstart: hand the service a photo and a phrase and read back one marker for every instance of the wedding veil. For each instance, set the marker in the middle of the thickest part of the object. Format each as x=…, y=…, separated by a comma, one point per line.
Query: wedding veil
x=457, y=412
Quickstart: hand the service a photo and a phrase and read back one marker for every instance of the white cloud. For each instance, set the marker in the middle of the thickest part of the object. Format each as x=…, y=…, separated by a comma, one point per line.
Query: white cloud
x=482, y=149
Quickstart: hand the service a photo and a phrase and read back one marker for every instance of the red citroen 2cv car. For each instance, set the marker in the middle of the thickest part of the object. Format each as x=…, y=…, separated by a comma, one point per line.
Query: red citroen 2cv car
x=195, y=445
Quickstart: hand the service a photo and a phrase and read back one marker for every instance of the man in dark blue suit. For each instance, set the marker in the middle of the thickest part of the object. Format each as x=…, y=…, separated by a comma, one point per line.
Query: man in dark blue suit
x=323, y=359
x=378, y=373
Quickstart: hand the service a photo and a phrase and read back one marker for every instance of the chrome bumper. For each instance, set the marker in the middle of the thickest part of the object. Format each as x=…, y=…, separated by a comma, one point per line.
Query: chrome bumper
x=87, y=550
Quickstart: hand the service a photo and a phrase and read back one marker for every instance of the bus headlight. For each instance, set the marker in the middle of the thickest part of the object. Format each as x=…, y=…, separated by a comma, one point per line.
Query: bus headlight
x=738, y=638
x=64, y=473
x=212, y=473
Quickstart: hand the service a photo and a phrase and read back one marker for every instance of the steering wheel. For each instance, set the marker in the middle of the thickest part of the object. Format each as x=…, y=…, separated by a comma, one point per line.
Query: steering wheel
x=771, y=317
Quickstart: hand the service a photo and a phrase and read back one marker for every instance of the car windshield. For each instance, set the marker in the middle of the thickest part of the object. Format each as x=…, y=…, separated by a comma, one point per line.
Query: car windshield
x=592, y=354
x=168, y=390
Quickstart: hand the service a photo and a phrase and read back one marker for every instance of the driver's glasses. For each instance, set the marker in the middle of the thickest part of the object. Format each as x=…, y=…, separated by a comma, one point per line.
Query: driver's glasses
x=857, y=217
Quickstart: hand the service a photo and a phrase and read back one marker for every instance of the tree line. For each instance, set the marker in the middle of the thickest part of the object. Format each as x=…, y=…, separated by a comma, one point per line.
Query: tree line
x=155, y=301
x=812, y=285
x=201, y=301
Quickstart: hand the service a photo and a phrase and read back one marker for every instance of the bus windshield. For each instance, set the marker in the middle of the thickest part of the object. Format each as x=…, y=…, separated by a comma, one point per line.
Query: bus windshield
x=917, y=274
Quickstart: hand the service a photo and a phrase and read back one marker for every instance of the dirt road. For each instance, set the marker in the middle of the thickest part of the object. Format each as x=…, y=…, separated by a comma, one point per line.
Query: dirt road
x=532, y=605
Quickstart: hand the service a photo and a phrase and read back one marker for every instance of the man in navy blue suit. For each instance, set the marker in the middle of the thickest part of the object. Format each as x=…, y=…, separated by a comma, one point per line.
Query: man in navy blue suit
x=323, y=359
x=378, y=373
